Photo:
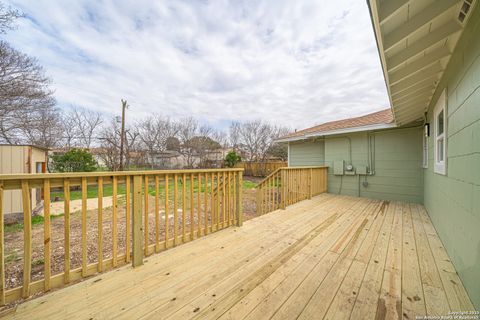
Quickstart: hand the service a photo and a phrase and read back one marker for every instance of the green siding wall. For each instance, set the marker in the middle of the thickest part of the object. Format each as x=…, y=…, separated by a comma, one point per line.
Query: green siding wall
x=398, y=171
x=306, y=153
x=398, y=160
x=453, y=201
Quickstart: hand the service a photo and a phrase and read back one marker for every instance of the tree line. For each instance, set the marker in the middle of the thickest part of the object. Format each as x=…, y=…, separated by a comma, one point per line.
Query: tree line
x=29, y=114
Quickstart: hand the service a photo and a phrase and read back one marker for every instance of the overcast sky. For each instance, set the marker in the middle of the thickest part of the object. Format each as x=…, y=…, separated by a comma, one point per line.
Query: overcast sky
x=293, y=62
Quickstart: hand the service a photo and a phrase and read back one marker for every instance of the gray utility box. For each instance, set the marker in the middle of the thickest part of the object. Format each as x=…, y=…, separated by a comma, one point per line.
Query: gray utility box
x=350, y=172
x=362, y=170
x=338, y=167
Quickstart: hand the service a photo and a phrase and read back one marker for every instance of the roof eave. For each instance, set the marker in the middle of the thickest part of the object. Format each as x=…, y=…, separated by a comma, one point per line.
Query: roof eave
x=419, y=60
x=372, y=127
x=373, y=19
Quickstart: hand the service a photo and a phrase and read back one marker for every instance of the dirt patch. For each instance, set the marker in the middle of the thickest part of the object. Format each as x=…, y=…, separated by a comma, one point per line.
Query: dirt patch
x=14, y=237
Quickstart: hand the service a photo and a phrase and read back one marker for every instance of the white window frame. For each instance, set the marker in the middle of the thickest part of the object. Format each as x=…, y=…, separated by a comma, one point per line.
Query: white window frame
x=440, y=165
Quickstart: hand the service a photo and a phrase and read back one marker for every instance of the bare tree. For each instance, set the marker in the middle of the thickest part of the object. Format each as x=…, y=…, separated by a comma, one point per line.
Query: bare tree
x=154, y=133
x=221, y=137
x=110, y=146
x=69, y=129
x=234, y=135
x=188, y=130
x=88, y=123
x=257, y=138
x=42, y=128
x=25, y=97
x=24, y=93
x=8, y=17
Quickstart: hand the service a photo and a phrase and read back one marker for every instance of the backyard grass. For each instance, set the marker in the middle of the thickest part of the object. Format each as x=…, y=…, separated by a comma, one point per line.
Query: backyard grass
x=92, y=191
x=35, y=220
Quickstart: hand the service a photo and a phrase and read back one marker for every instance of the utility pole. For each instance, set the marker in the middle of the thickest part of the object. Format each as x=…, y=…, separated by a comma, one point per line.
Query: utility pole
x=122, y=134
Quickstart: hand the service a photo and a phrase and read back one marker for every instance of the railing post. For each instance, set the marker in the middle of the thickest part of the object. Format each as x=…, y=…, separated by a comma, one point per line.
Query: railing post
x=2, y=248
x=239, y=203
x=137, y=227
x=283, y=193
x=310, y=184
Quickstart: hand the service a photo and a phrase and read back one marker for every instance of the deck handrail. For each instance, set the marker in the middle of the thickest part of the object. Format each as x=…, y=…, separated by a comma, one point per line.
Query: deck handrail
x=289, y=185
x=199, y=201
x=288, y=168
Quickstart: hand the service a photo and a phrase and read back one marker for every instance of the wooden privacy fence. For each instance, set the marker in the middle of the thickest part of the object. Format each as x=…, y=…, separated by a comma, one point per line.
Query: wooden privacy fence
x=260, y=169
x=152, y=211
x=286, y=186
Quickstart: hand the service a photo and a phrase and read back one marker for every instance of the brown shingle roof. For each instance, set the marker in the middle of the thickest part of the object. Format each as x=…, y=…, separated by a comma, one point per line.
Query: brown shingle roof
x=380, y=117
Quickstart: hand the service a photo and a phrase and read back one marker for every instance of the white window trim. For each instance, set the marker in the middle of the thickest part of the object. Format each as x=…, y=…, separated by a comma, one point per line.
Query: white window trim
x=440, y=167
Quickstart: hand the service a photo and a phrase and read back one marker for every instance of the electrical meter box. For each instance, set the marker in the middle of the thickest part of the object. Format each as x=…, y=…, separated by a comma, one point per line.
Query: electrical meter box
x=350, y=172
x=338, y=167
x=362, y=170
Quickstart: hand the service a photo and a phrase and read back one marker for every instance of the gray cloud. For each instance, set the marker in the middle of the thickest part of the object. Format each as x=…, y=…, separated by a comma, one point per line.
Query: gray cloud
x=294, y=63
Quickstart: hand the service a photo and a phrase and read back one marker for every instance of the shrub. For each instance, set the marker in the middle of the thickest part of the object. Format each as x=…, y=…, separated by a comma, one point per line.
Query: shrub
x=231, y=159
x=75, y=160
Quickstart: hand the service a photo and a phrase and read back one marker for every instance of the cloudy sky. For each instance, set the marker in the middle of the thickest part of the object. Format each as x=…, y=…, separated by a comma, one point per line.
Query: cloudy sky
x=294, y=63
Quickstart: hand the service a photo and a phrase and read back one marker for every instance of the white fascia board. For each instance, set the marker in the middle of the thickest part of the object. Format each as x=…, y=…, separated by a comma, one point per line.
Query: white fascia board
x=339, y=131
x=353, y=129
x=286, y=140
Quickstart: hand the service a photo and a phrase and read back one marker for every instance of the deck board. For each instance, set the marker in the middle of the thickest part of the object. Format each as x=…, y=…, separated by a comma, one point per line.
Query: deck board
x=332, y=257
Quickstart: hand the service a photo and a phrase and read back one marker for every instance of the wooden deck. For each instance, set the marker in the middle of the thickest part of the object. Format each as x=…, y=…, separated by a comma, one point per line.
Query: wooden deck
x=332, y=257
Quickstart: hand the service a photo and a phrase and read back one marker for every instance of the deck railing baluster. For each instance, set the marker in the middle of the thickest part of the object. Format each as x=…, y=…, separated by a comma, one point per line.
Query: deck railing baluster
x=216, y=205
x=27, y=238
x=167, y=207
x=199, y=205
x=146, y=215
x=100, y=224
x=184, y=206
x=157, y=213
x=175, y=209
x=192, y=208
x=66, y=211
x=84, y=224
x=114, y=220
x=2, y=248
x=46, y=234
x=128, y=208
x=205, y=201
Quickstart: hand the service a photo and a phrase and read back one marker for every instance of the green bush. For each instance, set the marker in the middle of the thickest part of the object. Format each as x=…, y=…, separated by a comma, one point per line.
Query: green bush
x=75, y=160
x=231, y=159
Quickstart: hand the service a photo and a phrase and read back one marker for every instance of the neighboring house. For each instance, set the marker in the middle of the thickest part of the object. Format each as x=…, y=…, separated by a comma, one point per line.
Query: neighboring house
x=97, y=153
x=166, y=159
x=425, y=149
x=19, y=159
x=175, y=160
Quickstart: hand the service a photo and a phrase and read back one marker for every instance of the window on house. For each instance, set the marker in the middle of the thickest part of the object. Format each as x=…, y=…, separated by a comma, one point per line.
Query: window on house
x=440, y=134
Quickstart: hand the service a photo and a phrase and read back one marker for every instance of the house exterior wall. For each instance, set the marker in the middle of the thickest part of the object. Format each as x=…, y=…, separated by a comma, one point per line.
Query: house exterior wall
x=13, y=160
x=306, y=153
x=397, y=166
x=19, y=159
x=453, y=200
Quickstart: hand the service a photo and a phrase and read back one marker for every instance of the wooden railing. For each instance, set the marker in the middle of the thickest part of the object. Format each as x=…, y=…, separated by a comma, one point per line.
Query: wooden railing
x=288, y=185
x=151, y=211
x=260, y=169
